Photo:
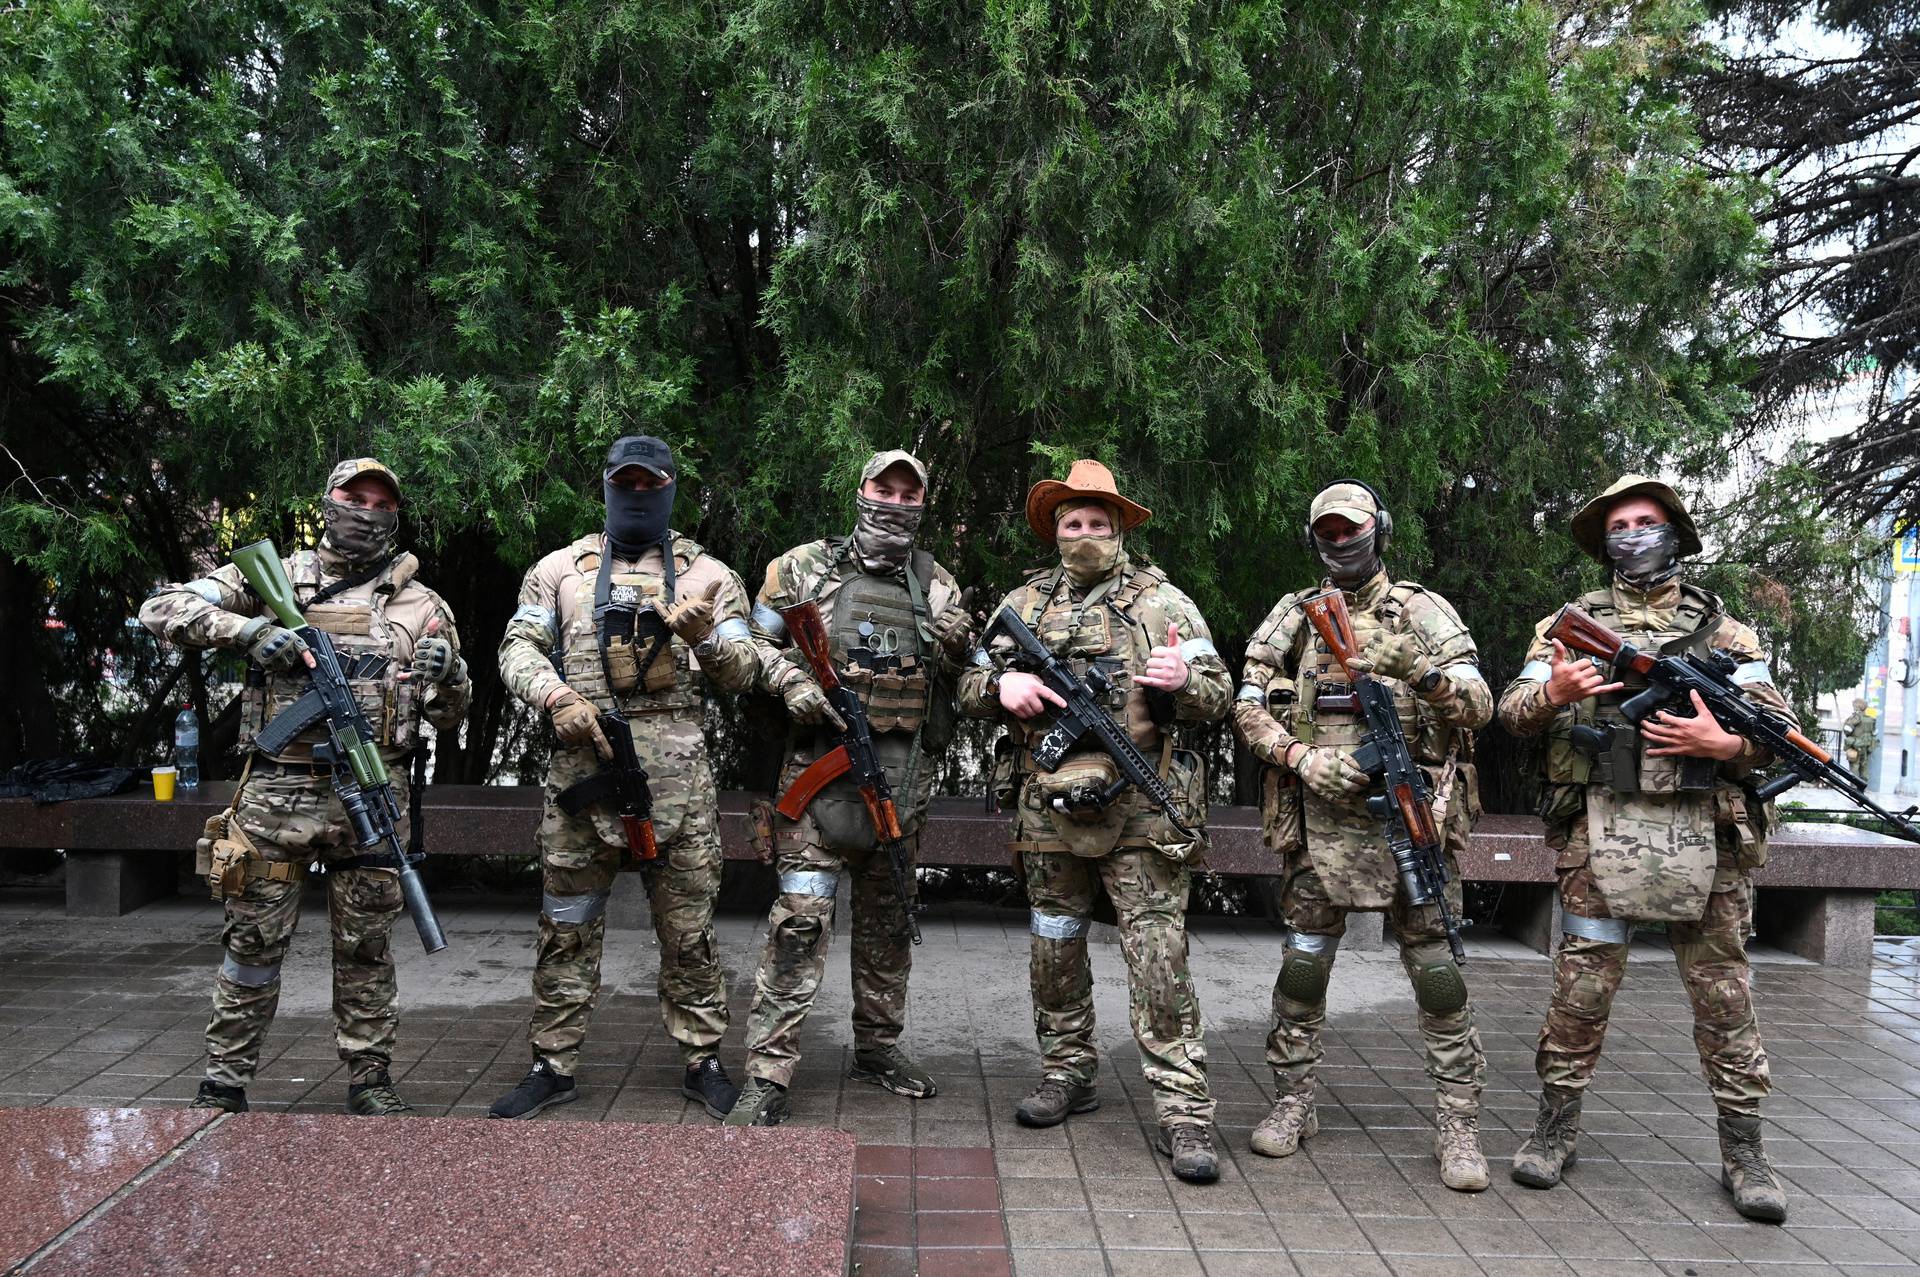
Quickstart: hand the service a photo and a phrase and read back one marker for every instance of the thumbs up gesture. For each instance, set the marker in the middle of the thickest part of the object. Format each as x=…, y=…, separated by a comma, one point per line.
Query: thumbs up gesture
x=1166, y=669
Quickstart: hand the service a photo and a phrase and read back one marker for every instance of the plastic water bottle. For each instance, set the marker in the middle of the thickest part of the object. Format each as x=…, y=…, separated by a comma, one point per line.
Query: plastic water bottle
x=186, y=747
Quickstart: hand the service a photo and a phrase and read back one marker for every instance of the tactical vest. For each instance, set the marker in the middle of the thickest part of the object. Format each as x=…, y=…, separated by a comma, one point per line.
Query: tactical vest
x=669, y=683
x=1623, y=764
x=1324, y=712
x=880, y=641
x=356, y=620
x=1112, y=629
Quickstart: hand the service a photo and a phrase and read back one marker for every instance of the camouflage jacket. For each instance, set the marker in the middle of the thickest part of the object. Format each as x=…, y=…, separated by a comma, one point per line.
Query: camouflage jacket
x=1861, y=732
x=386, y=615
x=554, y=623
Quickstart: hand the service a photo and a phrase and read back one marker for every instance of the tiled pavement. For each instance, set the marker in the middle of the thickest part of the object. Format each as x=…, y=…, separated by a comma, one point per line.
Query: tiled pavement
x=110, y=1012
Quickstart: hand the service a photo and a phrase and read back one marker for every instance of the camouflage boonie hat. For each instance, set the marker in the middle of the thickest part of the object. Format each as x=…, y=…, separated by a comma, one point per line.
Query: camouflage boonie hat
x=880, y=461
x=1590, y=524
x=1348, y=500
x=351, y=469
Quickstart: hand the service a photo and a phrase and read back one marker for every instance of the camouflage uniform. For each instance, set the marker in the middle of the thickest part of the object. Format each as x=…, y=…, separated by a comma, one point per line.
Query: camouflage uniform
x=579, y=855
x=1641, y=848
x=1861, y=732
x=1134, y=854
x=904, y=678
x=1336, y=855
x=289, y=811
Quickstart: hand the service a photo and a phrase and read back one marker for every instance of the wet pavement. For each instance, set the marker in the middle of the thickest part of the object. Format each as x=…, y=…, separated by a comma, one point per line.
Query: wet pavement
x=108, y=1012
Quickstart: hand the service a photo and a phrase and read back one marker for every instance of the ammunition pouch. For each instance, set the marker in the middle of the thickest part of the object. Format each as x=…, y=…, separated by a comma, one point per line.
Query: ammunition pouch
x=894, y=689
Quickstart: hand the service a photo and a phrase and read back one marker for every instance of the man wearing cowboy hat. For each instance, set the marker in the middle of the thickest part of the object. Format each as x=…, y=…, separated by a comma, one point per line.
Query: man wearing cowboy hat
x=1297, y=714
x=899, y=637
x=363, y=591
x=591, y=615
x=1649, y=823
x=1097, y=606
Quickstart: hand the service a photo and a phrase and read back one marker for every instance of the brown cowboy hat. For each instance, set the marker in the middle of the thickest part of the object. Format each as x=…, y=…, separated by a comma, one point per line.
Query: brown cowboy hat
x=1088, y=480
x=1590, y=524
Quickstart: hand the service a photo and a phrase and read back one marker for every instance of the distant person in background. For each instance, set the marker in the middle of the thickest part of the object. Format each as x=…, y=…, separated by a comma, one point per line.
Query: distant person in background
x=1860, y=733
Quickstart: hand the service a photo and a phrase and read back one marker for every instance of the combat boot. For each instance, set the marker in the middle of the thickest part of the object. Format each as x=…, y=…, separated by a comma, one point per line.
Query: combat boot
x=1747, y=1174
x=1294, y=1117
x=892, y=1068
x=1054, y=1101
x=1550, y=1149
x=708, y=1083
x=212, y=1095
x=541, y=1088
x=376, y=1097
x=1456, y=1146
x=1190, y=1145
x=761, y=1103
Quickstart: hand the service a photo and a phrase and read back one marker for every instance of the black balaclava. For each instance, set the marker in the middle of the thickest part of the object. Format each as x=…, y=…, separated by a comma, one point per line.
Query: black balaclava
x=637, y=521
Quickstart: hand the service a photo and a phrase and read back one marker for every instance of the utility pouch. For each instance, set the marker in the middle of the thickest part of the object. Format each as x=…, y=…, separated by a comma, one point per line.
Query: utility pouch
x=221, y=856
x=1282, y=819
x=760, y=829
x=623, y=666
x=1081, y=789
x=1004, y=782
x=1616, y=761
x=648, y=630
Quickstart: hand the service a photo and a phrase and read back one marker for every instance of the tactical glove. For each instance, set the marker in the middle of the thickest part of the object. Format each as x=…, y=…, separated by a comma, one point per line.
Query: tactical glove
x=1331, y=773
x=1265, y=738
x=1397, y=656
x=809, y=705
x=270, y=646
x=435, y=662
x=953, y=630
x=576, y=722
x=692, y=619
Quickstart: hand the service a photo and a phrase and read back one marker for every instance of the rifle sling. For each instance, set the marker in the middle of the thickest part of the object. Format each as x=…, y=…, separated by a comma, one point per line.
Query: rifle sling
x=352, y=582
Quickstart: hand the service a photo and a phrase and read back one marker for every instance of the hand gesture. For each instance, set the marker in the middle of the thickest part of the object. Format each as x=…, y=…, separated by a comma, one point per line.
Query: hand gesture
x=692, y=619
x=1574, y=679
x=1166, y=669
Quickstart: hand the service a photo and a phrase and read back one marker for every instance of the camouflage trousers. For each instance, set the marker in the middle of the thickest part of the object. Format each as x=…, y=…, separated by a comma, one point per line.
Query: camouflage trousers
x=577, y=872
x=1712, y=957
x=1149, y=895
x=798, y=931
x=1454, y=1057
x=294, y=818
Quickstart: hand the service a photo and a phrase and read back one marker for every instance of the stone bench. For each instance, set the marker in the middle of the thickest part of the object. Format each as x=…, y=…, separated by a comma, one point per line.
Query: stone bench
x=1816, y=899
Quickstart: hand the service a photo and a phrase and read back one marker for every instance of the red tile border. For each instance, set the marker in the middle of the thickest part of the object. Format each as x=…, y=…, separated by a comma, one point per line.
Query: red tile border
x=964, y=1263
x=969, y=1228
x=953, y=1161
x=977, y=1192
x=885, y=1193
x=883, y=1159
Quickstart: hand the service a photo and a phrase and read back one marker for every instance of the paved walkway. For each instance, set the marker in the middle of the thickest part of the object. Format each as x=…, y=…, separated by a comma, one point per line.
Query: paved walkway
x=109, y=1012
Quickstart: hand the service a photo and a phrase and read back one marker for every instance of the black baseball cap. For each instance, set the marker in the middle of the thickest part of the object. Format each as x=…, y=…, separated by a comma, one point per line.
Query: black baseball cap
x=644, y=451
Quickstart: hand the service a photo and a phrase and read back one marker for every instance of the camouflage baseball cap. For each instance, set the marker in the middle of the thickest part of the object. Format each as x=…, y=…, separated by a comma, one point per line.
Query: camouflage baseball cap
x=878, y=463
x=347, y=471
x=1351, y=501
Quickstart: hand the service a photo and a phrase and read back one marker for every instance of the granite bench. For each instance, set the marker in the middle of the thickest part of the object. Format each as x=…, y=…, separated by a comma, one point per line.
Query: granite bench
x=1816, y=899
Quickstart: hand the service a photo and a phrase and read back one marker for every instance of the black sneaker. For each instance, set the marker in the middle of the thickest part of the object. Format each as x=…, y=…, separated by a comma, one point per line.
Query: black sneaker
x=228, y=1099
x=708, y=1083
x=541, y=1088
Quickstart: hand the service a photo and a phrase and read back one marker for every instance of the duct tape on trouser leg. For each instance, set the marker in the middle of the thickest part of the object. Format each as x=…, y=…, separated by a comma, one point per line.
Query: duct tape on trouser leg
x=810, y=883
x=575, y=909
x=253, y=977
x=1604, y=930
x=1056, y=926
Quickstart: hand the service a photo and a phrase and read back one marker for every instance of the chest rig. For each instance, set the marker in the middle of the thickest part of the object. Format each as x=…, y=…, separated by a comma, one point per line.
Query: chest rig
x=617, y=624
x=355, y=617
x=882, y=639
x=1325, y=711
x=1596, y=743
x=1108, y=630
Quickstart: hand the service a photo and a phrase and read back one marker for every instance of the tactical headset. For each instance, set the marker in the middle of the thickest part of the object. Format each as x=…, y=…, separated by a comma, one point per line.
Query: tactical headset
x=1382, y=520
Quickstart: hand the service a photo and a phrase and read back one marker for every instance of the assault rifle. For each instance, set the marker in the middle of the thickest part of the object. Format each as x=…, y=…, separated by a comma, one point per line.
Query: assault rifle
x=1083, y=717
x=852, y=752
x=1405, y=804
x=360, y=779
x=1671, y=680
x=622, y=781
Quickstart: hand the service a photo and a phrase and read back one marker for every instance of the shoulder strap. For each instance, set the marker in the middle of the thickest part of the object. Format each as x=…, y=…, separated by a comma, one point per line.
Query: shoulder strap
x=353, y=582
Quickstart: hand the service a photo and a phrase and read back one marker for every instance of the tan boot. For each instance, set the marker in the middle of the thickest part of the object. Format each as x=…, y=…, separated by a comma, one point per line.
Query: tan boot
x=1294, y=1117
x=1551, y=1148
x=1746, y=1172
x=1456, y=1146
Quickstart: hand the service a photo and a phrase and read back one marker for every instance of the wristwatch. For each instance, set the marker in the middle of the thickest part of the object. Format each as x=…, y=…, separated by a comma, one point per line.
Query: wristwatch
x=992, y=686
x=1430, y=682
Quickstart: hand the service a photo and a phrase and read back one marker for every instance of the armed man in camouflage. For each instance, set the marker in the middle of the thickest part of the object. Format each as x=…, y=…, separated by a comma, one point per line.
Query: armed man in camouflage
x=366, y=595
x=590, y=616
x=1860, y=733
x=1100, y=606
x=1652, y=824
x=1296, y=713
x=899, y=637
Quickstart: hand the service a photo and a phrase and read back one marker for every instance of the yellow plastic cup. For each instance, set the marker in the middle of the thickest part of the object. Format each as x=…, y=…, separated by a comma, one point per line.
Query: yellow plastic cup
x=163, y=778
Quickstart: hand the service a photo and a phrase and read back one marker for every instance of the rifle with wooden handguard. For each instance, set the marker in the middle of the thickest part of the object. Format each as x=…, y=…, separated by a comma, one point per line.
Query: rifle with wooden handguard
x=852, y=752
x=1405, y=803
x=1671, y=680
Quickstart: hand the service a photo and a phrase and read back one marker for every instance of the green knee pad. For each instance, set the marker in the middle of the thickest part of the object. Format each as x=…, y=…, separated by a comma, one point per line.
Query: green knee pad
x=1304, y=976
x=1438, y=988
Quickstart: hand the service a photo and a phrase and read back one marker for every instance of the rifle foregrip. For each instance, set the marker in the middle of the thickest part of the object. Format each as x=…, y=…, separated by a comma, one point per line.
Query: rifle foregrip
x=1800, y=741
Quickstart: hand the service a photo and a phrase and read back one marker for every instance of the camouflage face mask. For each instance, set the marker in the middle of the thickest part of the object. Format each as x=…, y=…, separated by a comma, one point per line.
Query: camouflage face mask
x=357, y=534
x=883, y=533
x=1644, y=557
x=1090, y=559
x=1351, y=561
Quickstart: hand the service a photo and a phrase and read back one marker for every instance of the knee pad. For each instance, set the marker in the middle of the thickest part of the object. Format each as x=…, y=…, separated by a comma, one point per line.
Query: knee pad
x=799, y=933
x=1438, y=988
x=1304, y=977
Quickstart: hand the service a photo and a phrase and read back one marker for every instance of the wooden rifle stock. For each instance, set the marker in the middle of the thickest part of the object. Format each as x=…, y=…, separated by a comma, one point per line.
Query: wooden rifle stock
x=1581, y=633
x=809, y=634
x=1328, y=613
